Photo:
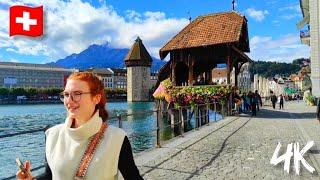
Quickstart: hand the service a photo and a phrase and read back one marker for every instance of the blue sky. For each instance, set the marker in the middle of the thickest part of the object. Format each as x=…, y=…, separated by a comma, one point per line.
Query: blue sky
x=73, y=25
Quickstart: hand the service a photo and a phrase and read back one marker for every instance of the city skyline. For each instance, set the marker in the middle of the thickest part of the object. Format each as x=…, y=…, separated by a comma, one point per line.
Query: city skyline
x=69, y=27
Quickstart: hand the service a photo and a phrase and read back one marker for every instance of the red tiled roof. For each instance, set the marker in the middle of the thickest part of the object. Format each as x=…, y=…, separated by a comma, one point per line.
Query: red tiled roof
x=208, y=30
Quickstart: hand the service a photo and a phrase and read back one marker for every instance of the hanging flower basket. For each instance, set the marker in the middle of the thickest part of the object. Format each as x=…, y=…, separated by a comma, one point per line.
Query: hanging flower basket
x=191, y=95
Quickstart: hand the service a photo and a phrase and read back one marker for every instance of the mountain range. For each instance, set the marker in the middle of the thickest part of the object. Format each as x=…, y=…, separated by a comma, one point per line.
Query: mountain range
x=101, y=56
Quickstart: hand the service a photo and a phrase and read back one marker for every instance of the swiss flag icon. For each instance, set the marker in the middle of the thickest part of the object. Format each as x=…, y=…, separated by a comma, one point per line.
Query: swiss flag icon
x=26, y=21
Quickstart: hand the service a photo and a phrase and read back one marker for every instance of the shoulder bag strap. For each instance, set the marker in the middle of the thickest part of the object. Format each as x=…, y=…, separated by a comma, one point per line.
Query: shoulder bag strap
x=88, y=154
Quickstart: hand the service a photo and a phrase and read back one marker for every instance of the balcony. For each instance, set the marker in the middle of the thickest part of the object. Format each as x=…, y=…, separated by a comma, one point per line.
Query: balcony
x=305, y=37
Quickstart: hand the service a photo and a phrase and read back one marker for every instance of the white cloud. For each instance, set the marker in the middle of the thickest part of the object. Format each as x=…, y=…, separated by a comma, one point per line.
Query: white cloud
x=284, y=49
x=14, y=60
x=276, y=23
x=291, y=10
x=132, y=15
x=256, y=14
x=294, y=7
x=271, y=2
x=72, y=26
x=291, y=16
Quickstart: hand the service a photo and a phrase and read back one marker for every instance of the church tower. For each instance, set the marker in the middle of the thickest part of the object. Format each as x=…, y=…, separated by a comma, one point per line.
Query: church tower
x=138, y=62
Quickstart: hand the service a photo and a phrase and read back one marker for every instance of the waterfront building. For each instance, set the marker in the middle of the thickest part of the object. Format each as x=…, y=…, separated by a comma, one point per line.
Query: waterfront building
x=219, y=76
x=119, y=78
x=107, y=76
x=153, y=79
x=297, y=80
x=138, y=62
x=25, y=75
x=114, y=78
x=244, y=78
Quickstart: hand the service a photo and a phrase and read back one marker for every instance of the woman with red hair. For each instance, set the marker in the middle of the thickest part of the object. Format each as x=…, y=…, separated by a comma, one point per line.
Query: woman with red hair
x=85, y=146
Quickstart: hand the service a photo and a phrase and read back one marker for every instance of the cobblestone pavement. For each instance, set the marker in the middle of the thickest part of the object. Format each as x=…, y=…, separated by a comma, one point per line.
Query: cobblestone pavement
x=238, y=147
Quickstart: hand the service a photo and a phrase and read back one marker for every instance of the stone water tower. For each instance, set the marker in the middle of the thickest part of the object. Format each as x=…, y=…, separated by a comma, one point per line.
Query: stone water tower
x=138, y=62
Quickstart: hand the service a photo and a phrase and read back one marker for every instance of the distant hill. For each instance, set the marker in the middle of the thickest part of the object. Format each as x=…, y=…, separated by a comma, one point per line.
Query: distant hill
x=270, y=69
x=100, y=56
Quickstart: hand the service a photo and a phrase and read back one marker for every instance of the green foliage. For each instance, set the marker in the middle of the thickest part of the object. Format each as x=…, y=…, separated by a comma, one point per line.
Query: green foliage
x=4, y=91
x=18, y=91
x=117, y=91
x=29, y=91
x=270, y=69
x=311, y=99
x=167, y=83
x=306, y=83
x=52, y=91
x=193, y=95
x=299, y=61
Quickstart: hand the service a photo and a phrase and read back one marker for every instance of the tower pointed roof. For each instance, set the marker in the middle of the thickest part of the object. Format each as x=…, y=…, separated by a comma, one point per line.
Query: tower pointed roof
x=138, y=55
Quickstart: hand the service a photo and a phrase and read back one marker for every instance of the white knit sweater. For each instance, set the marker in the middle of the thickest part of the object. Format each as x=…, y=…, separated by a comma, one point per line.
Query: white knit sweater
x=65, y=147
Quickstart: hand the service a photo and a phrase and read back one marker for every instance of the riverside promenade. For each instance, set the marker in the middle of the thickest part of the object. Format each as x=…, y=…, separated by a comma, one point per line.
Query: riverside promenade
x=238, y=147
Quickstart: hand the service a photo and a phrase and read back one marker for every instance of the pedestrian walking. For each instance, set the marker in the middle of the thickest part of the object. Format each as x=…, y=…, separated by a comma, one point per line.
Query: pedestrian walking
x=273, y=99
x=259, y=100
x=281, y=100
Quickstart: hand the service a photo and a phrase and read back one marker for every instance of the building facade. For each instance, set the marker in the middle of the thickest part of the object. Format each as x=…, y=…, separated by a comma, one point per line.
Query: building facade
x=311, y=20
x=244, y=78
x=153, y=79
x=119, y=78
x=107, y=76
x=219, y=76
x=114, y=78
x=24, y=75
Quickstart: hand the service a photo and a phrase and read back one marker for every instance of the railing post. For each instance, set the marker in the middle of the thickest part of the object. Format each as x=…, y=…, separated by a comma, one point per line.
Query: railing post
x=215, y=110
x=181, y=121
x=158, y=129
x=207, y=114
x=230, y=105
x=120, y=120
x=222, y=109
x=197, y=117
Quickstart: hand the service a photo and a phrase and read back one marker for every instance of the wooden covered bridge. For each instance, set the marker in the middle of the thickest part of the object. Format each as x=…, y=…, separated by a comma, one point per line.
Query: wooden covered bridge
x=220, y=38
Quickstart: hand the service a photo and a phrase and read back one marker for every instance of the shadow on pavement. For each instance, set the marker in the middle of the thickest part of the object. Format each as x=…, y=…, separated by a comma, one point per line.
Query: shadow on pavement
x=283, y=114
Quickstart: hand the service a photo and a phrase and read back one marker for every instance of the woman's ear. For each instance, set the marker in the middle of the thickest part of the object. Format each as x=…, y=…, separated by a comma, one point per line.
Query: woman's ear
x=97, y=98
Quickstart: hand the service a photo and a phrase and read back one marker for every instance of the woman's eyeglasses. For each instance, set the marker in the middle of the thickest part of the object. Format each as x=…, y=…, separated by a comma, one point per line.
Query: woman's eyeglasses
x=75, y=96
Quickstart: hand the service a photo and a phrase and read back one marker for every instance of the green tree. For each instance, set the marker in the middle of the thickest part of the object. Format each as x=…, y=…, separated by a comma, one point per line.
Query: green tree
x=31, y=92
x=270, y=69
x=18, y=91
x=4, y=91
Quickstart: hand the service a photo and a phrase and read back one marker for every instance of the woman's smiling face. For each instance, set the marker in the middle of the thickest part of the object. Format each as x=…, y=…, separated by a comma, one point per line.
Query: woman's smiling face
x=79, y=101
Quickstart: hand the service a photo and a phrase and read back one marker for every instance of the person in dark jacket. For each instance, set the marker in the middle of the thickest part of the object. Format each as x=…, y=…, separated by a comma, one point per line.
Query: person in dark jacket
x=259, y=100
x=281, y=100
x=253, y=103
x=273, y=99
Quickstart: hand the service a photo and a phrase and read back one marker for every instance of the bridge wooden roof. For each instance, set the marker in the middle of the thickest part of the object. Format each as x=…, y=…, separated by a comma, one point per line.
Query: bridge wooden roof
x=214, y=29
